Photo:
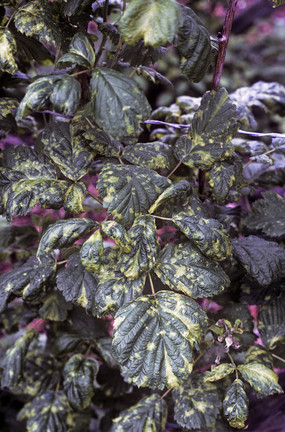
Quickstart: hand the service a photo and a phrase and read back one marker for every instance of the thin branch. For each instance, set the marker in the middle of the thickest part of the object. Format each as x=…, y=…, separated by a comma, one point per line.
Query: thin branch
x=89, y=121
x=259, y=134
x=61, y=262
x=166, y=393
x=105, y=11
x=11, y=17
x=277, y=357
x=55, y=114
x=162, y=218
x=95, y=197
x=151, y=284
x=175, y=168
x=224, y=39
x=81, y=72
x=101, y=48
x=161, y=123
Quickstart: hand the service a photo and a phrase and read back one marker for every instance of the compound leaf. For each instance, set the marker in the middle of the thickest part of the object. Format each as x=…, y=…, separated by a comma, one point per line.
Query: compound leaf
x=151, y=155
x=261, y=378
x=35, y=19
x=119, y=106
x=64, y=233
x=184, y=268
x=79, y=374
x=235, y=404
x=271, y=324
x=148, y=415
x=207, y=234
x=65, y=95
x=219, y=372
x=70, y=154
x=8, y=48
x=268, y=215
x=262, y=260
x=14, y=358
x=154, y=337
x=173, y=191
x=80, y=52
x=154, y=21
x=129, y=191
x=196, y=404
x=76, y=283
x=31, y=279
x=213, y=127
x=91, y=252
x=145, y=247
x=194, y=45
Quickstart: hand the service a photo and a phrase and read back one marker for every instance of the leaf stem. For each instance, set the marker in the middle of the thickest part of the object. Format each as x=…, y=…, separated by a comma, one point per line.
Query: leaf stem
x=81, y=72
x=133, y=72
x=100, y=50
x=166, y=393
x=224, y=39
x=105, y=11
x=259, y=134
x=61, y=262
x=277, y=357
x=11, y=17
x=175, y=168
x=232, y=360
x=95, y=197
x=162, y=218
x=89, y=121
x=151, y=284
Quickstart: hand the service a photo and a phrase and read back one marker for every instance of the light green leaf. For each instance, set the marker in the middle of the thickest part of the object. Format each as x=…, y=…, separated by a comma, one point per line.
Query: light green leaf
x=154, y=337
x=80, y=51
x=7, y=104
x=213, y=127
x=262, y=379
x=263, y=261
x=145, y=247
x=196, y=404
x=55, y=307
x=35, y=19
x=184, y=268
x=48, y=412
x=8, y=48
x=129, y=191
x=219, y=372
x=117, y=232
x=208, y=235
x=257, y=353
x=65, y=95
x=223, y=176
x=194, y=45
x=77, y=284
x=154, y=21
x=64, y=233
x=119, y=106
x=13, y=361
x=79, y=375
x=268, y=214
x=74, y=197
x=271, y=325
x=278, y=3
x=148, y=415
x=151, y=155
x=102, y=143
x=69, y=153
x=91, y=252
x=31, y=279
x=235, y=404
x=173, y=191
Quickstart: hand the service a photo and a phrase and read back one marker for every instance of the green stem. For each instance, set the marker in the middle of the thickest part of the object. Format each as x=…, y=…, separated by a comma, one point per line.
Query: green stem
x=95, y=197
x=232, y=360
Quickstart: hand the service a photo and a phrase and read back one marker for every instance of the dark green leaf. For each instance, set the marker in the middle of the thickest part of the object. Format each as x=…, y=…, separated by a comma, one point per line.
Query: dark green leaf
x=174, y=191
x=69, y=153
x=35, y=18
x=31, y=279
x=184, y=268
x=117, y=232
x=80, y=51
x=145, y=247
x=18, y=236
x=7, y=105
x=119, y=106
x=263, y=261
x=154, y=337
x=55, y=307
x=104, y=347
x=74, y=7
x=8, y=48
x=235, y=404
x=14, y=359
x=257, y=353
x=102, y=143
x=208, y=235
x=48, y=412
x=140, y=54
x=152, y=75
x=129, y=191
x=222, y=177
x=76, y=283
x=196, y=404
x=79, y=375
x=271, y=325
x=152, y=155
x=64, y=233
x=65, y=95
x=148, y=415
x=262, y=379
x=91, y=252
x=268, y=214
x=213, y=127
x=194, y=45
x=74, y=197
x=153, y=21
x=219, y=372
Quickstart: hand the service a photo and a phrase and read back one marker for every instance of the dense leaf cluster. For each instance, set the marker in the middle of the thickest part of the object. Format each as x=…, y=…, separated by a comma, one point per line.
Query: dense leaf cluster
x=117, y=287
